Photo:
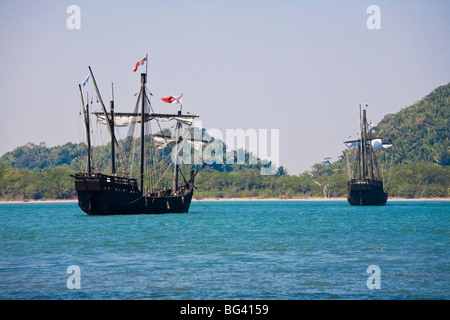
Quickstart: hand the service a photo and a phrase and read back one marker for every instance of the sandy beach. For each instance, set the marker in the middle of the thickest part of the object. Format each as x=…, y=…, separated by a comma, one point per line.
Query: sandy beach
x=313, y=199
x=38, y=201
x=235, y=199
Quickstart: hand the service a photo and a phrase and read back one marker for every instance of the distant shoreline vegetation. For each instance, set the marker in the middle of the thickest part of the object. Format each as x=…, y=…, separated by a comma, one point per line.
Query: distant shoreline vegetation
x=416, y=167
x=416, y=180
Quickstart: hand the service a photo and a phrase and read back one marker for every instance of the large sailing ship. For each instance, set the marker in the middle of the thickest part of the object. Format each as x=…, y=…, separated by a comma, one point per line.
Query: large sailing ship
x=113, y=193
x=366, y=184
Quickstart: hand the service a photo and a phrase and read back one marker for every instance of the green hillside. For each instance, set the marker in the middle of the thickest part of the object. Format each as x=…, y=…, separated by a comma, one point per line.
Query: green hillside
x=420, y=132
x=39, y=157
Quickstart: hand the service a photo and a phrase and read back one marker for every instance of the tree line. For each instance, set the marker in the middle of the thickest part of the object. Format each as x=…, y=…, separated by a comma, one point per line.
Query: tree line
x=24, y=184
x=416, y=180
x=417, y=165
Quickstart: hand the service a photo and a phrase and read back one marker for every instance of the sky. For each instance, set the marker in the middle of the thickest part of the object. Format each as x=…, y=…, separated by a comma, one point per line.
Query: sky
x=300, y=67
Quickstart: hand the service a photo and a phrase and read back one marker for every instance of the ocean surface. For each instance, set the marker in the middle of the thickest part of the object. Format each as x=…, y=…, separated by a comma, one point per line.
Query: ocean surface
x=254, y=250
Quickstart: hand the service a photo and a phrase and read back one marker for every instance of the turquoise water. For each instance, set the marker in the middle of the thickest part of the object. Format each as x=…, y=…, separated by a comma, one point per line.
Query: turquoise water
x=228, y=250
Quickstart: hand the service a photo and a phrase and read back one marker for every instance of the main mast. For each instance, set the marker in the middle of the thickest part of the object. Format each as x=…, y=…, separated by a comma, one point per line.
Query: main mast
x=143, y=82
x=113, y=150
x=176, y=166
x=364, y=146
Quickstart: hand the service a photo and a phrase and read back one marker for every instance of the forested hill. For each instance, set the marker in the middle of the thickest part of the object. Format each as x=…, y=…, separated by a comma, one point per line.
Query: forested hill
x=420, y=132
x=40, y=157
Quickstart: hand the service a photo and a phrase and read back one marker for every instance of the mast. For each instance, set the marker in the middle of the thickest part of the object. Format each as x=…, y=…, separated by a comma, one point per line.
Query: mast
x=86, y=126
x=113, y=151
x=363, y=146
x=366, y=163
x=143, y=82
x=108, y=122
x=371, y=157
x=101, y=100
x=176, y=166
x=88, y=137
x=360, y=148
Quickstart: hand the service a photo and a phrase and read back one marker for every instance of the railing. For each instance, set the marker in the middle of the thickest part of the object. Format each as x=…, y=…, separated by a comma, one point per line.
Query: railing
x=114, y=179
x=366, y=181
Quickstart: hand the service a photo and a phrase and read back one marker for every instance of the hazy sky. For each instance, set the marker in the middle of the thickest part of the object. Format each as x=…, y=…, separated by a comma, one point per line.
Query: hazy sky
x=302, y=67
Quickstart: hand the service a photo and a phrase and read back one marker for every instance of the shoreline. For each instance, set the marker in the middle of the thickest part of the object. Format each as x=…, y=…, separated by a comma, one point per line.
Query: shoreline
x=312, y=199
x=38, y=201
x=232, y=200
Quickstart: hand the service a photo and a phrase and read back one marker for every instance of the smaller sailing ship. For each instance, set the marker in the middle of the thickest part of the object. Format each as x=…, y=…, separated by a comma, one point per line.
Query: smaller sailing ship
x=366, y=185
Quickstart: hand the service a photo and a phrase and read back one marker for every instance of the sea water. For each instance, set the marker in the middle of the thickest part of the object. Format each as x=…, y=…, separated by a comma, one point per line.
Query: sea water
x=283, y=250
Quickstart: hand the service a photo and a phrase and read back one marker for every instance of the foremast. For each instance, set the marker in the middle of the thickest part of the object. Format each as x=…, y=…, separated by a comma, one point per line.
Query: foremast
x=86, y=127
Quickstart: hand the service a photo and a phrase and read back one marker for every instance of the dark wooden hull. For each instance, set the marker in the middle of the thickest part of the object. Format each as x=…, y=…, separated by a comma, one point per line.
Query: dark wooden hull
x=366, y=192
x=100, y=194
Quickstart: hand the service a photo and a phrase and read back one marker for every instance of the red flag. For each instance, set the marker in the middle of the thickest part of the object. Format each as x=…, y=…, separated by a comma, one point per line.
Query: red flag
x=139, y=63
x=172, y=99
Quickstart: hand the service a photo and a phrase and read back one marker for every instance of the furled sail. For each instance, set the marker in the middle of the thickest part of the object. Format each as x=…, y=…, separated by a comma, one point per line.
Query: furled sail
x=122, y=120
x=352, y=144
x=376, y=143
x=127, y=119
x=163, y=141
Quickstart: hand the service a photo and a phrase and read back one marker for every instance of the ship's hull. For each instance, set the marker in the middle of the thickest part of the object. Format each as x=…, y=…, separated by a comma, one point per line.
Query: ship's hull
x=108, y=195
x=366, y=192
